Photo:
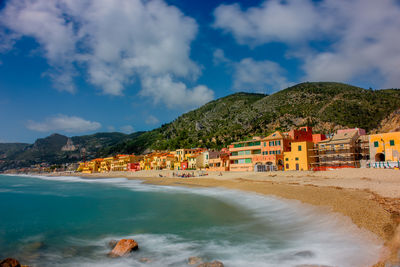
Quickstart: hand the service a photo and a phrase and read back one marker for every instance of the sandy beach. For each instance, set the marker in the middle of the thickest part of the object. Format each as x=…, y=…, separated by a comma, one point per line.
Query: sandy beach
x=369, y=197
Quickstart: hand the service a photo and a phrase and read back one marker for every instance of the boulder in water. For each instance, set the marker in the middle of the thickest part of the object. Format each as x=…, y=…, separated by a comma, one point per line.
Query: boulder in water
x=195, y=260
x=123, y=248
x=10, y=262
x=211, y=264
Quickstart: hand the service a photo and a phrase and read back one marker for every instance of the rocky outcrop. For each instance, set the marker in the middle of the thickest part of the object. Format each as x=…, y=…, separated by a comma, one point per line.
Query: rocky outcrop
x=195, y=260
x=391, y=123
x=123, y=248
x=211, y=264
x=10, y=262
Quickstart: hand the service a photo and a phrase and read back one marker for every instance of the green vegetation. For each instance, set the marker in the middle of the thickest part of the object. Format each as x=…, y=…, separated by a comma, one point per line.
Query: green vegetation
x=322, y=105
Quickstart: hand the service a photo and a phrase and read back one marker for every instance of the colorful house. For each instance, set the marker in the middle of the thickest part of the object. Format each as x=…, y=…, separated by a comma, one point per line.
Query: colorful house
x=219, y=160
x=384, y=147
x=242, y=153
x=301, y=157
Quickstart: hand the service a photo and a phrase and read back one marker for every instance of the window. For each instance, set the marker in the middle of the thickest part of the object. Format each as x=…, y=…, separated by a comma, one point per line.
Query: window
x=278, y=152
x=248, y=161
x=287, y=159
x=299, y=148
x=265, y=143
x=271, y=143
x=234, y=153
x=391, y=142
x=279, y=142
x=287, y=166
x=297, y=158
x=376, y=144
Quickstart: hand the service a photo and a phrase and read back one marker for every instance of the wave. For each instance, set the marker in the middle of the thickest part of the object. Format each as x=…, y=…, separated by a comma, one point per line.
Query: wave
x=302, y=234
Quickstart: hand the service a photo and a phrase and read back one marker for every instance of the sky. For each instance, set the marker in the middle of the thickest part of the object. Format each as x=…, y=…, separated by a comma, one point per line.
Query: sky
x=80, y=67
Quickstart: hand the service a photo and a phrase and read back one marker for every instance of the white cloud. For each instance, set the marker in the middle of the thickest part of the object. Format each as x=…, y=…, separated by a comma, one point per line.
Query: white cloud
x=151, y=120
x=360, y=37
x=117, y=42
x=175, y=94
x=127, y=129
x=274, y=20
x=259, y=76
x=252, y=75
x=64, y=123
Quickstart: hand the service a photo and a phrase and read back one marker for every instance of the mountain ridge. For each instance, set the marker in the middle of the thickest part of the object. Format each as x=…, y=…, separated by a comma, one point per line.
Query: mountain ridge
x=326, y=106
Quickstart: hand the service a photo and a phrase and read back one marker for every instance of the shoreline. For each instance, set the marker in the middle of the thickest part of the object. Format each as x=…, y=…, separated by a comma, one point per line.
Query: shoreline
x=345, y=192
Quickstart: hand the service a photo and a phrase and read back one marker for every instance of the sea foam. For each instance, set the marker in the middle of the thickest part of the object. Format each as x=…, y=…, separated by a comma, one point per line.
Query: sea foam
x=311, y=235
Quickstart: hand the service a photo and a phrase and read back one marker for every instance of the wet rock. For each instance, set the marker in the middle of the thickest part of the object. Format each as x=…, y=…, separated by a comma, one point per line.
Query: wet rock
x=145, y=260
x=123, y=248
x=195, y=260
x=10, y=262
x=112, y=243
x=211, y=264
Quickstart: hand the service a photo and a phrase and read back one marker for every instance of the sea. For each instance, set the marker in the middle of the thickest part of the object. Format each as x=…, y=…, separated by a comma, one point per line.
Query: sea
x=69, y=221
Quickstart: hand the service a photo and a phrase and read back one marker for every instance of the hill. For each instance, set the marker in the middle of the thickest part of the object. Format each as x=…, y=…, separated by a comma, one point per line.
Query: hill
x=56, y=149
x=326, y=106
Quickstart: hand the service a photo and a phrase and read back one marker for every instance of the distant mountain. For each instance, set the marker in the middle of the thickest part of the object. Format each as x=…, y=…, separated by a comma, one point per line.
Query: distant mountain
x=326, y=106
x=56, y=149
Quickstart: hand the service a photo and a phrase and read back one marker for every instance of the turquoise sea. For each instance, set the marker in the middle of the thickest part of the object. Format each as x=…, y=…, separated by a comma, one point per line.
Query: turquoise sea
x=68, y=221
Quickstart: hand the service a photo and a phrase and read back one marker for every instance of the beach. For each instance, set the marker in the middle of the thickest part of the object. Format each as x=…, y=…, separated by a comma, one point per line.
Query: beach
x=369, y=197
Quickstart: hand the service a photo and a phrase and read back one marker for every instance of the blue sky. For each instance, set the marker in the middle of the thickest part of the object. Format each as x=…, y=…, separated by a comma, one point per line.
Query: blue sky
x=80, y=67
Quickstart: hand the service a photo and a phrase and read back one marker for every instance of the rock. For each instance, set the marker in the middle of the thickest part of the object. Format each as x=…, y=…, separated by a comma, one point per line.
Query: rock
x=145, y=260
x=211, y=264
x=112, y=243
x=123, y=248
x=10, y=262
x=195, y=260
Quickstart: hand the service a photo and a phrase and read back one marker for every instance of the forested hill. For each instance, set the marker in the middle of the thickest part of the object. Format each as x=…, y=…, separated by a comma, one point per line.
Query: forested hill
x=326, y=106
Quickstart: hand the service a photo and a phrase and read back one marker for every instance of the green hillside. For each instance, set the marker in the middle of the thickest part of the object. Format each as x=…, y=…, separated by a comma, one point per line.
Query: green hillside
x=326, y=106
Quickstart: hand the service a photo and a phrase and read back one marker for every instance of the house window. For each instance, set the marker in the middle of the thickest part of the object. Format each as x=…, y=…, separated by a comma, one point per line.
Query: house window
x=287, y=166
x=299, y=148
x=391, y=142
x=248, y=161
x=279, y=142
x=278, y=152
x=265, y=143
x=297, y=158
x=376, y=144
x=287, y=159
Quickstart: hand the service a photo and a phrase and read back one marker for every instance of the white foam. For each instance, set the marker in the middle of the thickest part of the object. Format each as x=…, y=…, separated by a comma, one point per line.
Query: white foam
x=313, y=236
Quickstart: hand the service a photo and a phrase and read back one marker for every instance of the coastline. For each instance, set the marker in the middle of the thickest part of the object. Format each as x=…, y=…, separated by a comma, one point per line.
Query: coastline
x=370, y=198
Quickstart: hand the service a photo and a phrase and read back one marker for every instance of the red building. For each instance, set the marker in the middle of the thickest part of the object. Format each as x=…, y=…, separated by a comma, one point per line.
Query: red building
x=133, y=167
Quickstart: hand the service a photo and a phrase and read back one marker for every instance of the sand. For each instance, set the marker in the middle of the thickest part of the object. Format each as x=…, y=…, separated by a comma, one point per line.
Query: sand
x=369, y=197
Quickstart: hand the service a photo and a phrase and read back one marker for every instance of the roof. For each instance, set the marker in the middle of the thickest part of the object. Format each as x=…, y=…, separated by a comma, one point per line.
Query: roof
x=341, y=137
x=274, y=136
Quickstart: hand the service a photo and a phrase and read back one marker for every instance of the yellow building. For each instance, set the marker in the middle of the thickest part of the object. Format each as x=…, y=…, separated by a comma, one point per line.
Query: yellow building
x=120, y=162
x=384, y=147
x=300, y=157
x=105, y=165
x=92, y=166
